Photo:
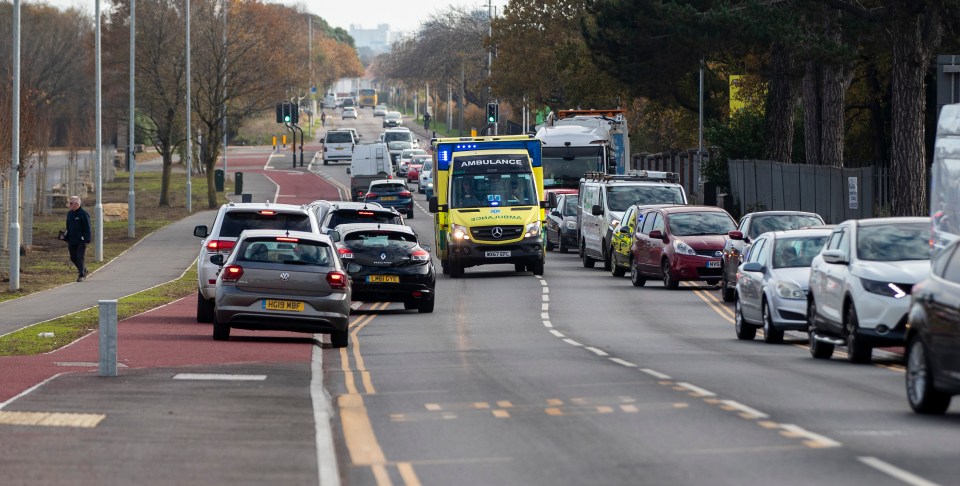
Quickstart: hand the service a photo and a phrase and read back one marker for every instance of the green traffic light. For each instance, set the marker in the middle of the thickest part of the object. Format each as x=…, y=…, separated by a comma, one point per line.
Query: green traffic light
x=286, y=119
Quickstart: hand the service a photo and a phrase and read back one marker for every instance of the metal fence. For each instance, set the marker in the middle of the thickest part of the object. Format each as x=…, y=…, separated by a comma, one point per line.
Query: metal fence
x=686, y=164
x=835, y=193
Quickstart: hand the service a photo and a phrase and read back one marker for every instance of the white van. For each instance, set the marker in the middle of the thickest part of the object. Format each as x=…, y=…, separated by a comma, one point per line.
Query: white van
x=945, y=179
x=330, y=101
x=338, y=145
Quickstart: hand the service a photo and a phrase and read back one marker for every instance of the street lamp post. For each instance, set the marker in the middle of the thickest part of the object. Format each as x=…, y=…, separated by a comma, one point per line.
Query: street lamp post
x=14, y=243
x=131, y=158
x=189, y=161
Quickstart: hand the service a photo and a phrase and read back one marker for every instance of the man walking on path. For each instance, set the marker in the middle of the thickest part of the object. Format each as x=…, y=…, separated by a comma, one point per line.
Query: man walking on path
x=78, y=235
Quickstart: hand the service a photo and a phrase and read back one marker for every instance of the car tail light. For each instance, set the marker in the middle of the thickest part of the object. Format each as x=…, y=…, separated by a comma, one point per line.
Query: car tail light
x=288, y=239
x=371, y=195
x=267, y=212
x=220, y=245
x=405, y=194
x=337, y=280
x=232, y=273
x=344, y=253
x=420, y=256
x=365, y=213
x=359, y=193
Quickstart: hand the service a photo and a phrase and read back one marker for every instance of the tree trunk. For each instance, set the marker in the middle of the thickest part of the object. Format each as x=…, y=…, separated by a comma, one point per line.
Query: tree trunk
x=915, y=37
x=835, y=80
x=781, y=101
x=167, y=157
x=811, y=113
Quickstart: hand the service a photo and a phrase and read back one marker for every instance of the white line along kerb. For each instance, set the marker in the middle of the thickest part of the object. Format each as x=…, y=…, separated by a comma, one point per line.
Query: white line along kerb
x=696, y=390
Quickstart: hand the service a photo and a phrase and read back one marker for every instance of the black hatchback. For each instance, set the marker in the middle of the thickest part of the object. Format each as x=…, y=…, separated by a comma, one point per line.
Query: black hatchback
x=386, y=263
x=933, y=335
x=348, y=212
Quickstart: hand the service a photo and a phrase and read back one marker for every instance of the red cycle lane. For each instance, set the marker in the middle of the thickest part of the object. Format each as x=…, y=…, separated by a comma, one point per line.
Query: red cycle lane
x=169, y=335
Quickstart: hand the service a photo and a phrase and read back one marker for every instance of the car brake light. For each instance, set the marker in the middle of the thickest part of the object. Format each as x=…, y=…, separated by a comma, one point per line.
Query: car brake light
x=220, y=245
x=337, y=280
x=267, y=212
x=371, y=195
x=344, y=253
x=404, y=193
x=365, y=213
x=232, y=273
x=420, y=256
x=287, y=238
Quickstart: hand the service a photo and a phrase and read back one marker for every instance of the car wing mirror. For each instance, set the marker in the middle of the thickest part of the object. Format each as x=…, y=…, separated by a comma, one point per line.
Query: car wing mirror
x=656, y=235
x=753, y=267
x=555, y=213
x=334, y=235
x=201, y=231
x=836, y=257
x=427, y=248
x=216, y=260
x=735, y=235
x=624, y=229
x=596, y=210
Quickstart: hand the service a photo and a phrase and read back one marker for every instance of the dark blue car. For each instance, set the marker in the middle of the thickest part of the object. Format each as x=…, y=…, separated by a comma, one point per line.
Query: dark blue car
x=391, y=193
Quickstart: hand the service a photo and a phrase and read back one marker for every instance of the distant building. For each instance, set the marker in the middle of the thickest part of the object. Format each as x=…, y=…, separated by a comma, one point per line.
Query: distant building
x=376, y=40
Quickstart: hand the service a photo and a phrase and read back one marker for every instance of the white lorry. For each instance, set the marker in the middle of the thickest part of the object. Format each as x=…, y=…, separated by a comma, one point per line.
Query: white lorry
x=945, y=179
x=576, y=142
x=371, y=161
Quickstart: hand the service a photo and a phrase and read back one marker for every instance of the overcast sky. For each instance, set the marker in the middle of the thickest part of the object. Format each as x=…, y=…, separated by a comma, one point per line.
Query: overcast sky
x=401, y=15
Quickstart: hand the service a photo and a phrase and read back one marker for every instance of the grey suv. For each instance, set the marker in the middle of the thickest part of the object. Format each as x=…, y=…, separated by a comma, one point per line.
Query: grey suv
x=231, y=220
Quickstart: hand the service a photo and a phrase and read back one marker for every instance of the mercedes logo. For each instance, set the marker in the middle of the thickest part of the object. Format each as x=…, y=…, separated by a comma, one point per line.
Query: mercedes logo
x=284, y=276
x=497, y=232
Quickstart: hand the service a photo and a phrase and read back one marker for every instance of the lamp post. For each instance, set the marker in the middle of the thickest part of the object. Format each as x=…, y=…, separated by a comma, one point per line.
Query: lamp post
x=189, y=125
x=14, y=245
x=98, y=164
x=131, y=138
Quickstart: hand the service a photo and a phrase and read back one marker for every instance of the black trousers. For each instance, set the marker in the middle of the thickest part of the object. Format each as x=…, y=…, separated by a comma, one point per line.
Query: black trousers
x=77, y=253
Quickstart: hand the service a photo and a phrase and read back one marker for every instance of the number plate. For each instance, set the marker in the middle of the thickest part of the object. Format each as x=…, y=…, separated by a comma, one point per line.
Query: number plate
x=383, y=278
x=283, y=305
x=496, y=254
x=388, y=198
x=713, y=264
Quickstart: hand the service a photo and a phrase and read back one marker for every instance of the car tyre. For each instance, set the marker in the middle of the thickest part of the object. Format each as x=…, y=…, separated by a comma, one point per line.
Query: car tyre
x=727, y=293
x=426, y=306
x=635, y=278
x=771, y=335
x=819, y=350
x=608, y=259
x=456, y=268
x=921, y=393
x=537, y=268
x=588, y=261
x=326, y=162
x=550, y=244
x=712, y=282
x=204, y=308
x=858, y=351
x=221, y=331
x=668, y=280
x=411, y=304
x=519, y=267
x=561, y=247
x=340, y=339
x=745, y=331
x=410, y=213
x=617, y=270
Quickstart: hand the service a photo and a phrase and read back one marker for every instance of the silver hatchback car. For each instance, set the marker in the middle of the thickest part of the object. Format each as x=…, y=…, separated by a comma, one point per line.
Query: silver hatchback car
x=284, y=281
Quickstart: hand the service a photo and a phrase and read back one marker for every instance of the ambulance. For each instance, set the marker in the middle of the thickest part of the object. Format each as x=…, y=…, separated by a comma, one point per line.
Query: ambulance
x=488, y=202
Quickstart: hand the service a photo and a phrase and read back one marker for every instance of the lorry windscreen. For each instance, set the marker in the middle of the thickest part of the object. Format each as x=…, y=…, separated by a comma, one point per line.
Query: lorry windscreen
x=564, y=166
x=619, y=198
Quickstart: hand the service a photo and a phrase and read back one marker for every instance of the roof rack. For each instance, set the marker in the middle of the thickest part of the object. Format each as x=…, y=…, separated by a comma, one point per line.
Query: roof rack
x=633, y=175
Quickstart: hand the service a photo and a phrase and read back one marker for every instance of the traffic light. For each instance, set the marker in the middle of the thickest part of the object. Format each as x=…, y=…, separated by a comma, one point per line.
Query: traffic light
x=287, y=113
x=493, y=112
x=280, y=112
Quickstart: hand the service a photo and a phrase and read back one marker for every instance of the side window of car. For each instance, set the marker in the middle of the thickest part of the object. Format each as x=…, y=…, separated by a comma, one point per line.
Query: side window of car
x=844, y=243
x=648, y=218
x=628, y=218
x=657, y=222
x=952, y=271
x=743, y=224
x=754, y=251
x=834, y=240
x=763, y=252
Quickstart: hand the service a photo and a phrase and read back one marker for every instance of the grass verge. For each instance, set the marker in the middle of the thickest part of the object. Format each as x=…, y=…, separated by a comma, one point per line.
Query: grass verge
x=71, y=327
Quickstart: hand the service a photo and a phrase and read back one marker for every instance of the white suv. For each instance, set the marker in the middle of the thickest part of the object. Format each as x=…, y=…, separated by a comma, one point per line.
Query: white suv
x=860, y=285
x=231, y=220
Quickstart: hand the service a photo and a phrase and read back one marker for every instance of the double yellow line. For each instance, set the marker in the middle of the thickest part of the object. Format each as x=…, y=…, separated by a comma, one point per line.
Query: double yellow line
x=714, y=302
x=358, y=431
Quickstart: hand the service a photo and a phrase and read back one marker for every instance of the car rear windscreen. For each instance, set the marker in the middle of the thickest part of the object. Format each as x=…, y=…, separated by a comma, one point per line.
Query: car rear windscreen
x=339, y=137
x=234, y=222
x=350, y=217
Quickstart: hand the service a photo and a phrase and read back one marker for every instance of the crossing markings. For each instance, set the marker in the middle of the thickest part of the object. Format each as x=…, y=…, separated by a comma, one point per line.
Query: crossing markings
x=52, y=419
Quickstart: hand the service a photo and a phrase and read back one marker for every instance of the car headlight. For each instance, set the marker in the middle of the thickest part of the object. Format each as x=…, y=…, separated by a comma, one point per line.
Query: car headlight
x=571, y=225
x=886, y=289
x=614, y=223
x=430, y=185
x=531, y=230
x=789, y=290
x=459, y=232
x=683, y=248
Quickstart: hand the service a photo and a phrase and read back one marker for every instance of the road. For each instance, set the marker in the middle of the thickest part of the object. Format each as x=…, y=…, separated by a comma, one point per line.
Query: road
x=578, y=377
x=575, y=377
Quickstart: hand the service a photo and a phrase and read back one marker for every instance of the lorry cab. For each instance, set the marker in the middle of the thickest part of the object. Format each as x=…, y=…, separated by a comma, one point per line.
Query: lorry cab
x=488, y=203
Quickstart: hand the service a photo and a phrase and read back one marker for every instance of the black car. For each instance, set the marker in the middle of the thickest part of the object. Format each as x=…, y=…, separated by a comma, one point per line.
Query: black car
x=347, y=212
x=751, y=226
x=562, y=223
x=933, y=335
x=386, y=263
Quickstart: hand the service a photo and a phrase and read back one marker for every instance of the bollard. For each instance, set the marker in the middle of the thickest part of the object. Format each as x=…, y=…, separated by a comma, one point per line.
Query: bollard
x=246, y=197
x=108, y=337
x=218, y=177
x=238, y=184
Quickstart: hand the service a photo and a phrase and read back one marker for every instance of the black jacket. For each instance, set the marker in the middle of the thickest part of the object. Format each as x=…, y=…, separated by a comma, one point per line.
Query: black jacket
x=78, y=226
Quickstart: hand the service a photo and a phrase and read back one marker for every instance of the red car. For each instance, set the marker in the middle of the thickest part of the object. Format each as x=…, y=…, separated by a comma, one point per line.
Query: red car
x=413, y=168
x=678, y=243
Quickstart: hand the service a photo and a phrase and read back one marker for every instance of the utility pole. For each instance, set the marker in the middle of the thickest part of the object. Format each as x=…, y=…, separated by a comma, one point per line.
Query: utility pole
x=14, y=209
x=189, y=160
x=131, y=137
x=98, y=134
x=225, y=3
x=490, y=58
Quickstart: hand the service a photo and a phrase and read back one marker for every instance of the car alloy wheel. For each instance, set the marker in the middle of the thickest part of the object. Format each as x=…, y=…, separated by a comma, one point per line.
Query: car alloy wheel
x=635, y=278
x=818, y=349
x=771, y=335
x=745, y=332
x=921, y=394
x=857, y=350
x=668, y=280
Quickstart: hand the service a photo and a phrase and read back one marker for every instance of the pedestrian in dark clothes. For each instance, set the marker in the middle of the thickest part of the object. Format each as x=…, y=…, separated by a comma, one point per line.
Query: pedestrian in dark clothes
x=78, y=235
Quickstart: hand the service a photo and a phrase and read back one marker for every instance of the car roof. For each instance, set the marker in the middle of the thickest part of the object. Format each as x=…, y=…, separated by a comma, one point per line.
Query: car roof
x=893, y=220
x=357, y=205
x=387, y=181
x=259, y=233
x=257, y=206
x=351, y=227
x=802, y=232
